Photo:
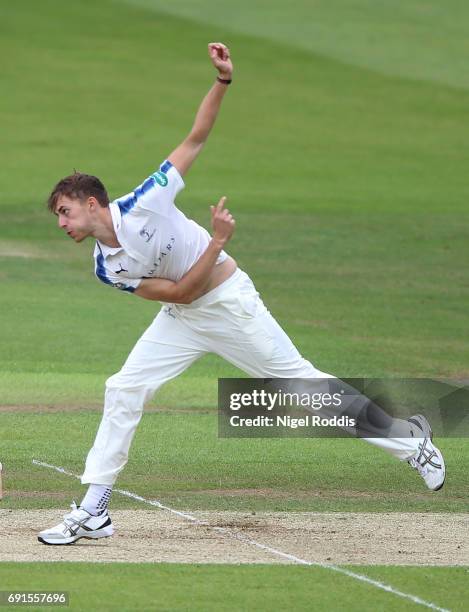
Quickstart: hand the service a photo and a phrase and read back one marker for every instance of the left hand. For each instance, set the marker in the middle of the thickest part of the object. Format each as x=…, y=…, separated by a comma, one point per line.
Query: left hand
x=223, y=223
x=220, y=56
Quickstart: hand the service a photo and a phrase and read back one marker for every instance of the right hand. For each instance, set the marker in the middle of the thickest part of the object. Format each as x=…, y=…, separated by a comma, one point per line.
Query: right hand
x=223, y=224
x=220, y=56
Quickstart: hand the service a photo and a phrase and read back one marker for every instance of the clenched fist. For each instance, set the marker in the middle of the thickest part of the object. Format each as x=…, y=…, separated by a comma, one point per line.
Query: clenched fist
x=220, y=56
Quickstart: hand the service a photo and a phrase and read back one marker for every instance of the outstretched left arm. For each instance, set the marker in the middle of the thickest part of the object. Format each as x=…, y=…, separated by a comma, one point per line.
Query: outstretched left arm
x=183, y=156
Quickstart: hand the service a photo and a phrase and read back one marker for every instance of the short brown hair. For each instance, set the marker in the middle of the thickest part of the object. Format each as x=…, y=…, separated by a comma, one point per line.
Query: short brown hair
x=81, y=186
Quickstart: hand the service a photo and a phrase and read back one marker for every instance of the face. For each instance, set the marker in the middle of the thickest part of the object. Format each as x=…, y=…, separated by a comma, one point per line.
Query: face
x=75, y=217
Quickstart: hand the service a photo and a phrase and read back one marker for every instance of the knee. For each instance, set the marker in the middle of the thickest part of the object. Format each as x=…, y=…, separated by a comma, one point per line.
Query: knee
x=116, y=381
x=126, y=380
x=124, y=389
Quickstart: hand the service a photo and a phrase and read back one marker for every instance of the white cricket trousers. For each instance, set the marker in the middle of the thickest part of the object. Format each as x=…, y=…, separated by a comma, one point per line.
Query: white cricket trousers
x=231, y=321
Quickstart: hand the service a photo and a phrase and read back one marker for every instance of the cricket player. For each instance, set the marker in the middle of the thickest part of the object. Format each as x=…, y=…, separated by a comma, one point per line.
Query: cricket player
x=146, y=246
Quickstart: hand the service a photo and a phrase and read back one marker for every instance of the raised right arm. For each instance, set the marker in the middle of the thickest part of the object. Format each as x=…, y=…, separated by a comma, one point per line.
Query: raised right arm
x=193, y=284
x=184, y=155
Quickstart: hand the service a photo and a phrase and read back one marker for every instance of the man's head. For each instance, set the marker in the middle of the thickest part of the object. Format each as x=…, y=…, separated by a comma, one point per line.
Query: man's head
x=77, y=200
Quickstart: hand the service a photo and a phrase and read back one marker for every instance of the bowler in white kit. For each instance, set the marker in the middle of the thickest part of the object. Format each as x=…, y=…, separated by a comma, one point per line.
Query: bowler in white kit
x=146, y=246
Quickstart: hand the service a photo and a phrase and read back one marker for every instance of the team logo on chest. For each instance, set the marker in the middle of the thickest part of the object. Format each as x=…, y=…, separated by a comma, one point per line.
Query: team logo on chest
x=147, y=233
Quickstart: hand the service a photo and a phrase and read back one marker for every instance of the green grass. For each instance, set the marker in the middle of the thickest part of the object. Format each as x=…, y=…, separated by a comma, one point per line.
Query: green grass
x=350, y=193
x=126, y=586
x=420, y=41
x=207, y=473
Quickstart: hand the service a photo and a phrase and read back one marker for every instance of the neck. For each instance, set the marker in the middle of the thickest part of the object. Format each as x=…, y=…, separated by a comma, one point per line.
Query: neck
x=104, y=229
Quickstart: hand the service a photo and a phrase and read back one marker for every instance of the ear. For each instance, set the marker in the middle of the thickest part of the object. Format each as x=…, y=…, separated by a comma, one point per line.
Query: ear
x=92, y=204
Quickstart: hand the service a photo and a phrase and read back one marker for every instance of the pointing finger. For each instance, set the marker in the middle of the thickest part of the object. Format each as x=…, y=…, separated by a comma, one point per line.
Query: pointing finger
x=221, y=203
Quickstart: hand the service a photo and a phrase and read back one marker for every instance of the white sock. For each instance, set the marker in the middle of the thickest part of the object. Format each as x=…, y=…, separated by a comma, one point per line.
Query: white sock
x=96, y=499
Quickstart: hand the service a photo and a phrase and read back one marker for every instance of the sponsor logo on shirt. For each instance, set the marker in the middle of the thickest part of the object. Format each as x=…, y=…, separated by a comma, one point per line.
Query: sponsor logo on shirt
x=160, y=178
x=166, y=251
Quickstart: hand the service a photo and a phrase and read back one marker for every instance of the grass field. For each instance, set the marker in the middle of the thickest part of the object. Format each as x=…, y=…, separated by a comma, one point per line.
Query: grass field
x=165, y=587
x=342, y=146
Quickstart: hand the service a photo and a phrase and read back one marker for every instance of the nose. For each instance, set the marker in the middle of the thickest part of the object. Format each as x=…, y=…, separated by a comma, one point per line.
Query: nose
x=62, y=222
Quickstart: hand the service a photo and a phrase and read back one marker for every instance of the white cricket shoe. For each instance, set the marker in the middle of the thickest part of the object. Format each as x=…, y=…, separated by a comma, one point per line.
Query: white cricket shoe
x=428, y=461
x=78, y=524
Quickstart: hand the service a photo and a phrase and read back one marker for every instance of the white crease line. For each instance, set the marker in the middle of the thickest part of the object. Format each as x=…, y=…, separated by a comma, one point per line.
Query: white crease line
x=242, y=538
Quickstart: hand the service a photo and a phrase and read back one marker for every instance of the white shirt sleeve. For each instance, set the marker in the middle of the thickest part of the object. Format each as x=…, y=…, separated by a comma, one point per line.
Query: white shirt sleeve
x=121, y=282
x=106, y=276
x=158, y=192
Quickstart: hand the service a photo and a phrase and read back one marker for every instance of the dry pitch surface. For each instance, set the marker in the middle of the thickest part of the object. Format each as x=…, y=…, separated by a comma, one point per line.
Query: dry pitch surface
x=335, y=538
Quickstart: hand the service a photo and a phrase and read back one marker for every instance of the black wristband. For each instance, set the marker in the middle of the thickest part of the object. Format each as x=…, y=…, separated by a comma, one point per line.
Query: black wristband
x=224, y=81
